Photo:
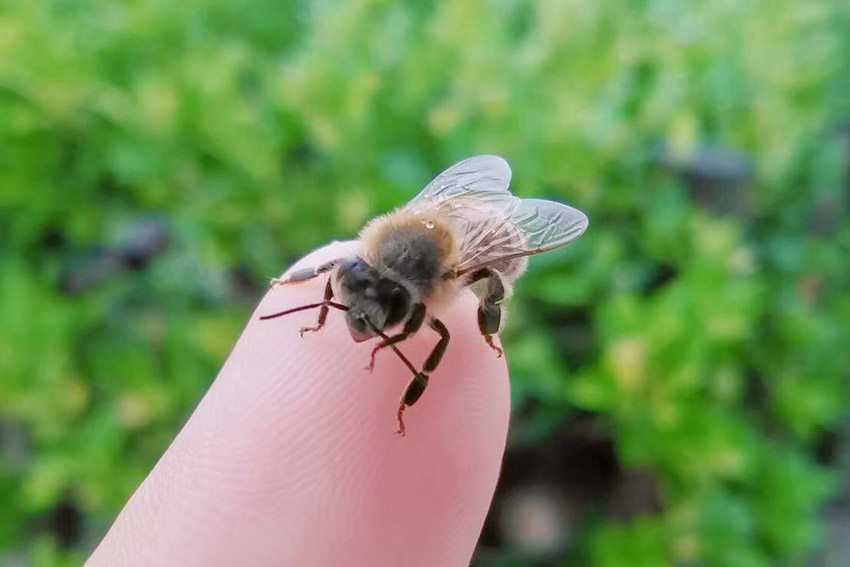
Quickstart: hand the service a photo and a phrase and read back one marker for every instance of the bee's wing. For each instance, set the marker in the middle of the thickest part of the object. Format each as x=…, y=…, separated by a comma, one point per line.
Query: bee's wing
x=497, y=229
x=482, y=178
x=523, y=227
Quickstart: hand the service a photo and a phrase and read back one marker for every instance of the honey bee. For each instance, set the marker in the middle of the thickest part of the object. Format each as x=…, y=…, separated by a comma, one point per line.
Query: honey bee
x=463, y=227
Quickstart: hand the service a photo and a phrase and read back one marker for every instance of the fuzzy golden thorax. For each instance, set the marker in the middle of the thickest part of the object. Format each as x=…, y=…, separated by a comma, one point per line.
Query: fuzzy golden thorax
x=417, y=250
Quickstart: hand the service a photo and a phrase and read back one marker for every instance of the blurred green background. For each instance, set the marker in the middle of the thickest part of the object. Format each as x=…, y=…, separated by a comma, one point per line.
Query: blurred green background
x=680, y=374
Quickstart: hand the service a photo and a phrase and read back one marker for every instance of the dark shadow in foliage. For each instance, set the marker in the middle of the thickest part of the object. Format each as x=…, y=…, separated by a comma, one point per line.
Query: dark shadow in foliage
x=146, y=238
x=550, y=490
x=719, y=179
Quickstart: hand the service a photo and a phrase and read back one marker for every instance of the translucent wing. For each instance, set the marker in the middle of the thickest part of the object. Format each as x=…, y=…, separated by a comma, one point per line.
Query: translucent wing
x=497, y=229
x=481, y=178
x=527, y=227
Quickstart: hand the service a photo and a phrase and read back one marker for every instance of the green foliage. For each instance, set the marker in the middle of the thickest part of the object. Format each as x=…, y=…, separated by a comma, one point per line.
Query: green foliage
x=258, y=129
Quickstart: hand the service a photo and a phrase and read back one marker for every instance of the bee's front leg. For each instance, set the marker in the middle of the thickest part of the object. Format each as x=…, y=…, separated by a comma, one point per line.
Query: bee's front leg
x=323, y=306
x=323, y=311
x=417, y=316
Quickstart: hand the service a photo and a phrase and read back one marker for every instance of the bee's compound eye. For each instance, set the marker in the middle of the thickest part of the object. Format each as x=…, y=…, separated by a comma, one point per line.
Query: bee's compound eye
x=356, y=275
x=398, y=307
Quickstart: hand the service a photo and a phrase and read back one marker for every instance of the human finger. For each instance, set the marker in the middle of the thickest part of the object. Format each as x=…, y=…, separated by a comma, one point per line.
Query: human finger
x=291, y=457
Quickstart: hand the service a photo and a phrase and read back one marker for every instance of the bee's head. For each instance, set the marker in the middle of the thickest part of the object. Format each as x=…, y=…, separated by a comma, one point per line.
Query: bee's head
x=374, y=302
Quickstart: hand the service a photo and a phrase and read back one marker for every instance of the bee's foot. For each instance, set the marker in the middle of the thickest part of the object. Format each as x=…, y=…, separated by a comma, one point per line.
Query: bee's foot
x=400, y=431
x=274, y=282
x=308, y=330
x=371, y=366
x=489, y=340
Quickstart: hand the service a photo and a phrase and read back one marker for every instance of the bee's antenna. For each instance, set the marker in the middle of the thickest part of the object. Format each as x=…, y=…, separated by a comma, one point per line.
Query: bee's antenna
x=333, y=304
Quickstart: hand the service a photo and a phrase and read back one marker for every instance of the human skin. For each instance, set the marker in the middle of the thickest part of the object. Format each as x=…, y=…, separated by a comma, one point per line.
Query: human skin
x=291, y=458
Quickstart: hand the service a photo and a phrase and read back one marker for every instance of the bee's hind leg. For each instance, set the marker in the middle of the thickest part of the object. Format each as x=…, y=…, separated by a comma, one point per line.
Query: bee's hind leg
x=306, y=273
x=490, y=309
x=417, y=386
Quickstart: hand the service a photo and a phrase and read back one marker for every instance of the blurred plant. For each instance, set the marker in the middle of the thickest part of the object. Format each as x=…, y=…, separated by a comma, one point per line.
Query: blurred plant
x=702, y=321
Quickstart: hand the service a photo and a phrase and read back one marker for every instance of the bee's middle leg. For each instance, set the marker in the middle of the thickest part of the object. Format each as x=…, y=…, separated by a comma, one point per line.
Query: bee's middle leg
x=417, y=386
x=414, y=322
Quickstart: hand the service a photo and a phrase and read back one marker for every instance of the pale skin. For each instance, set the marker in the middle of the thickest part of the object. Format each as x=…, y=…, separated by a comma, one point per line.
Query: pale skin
x=291, y=457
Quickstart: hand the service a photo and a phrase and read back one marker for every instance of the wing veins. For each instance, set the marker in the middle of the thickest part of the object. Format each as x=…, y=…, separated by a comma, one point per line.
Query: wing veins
x=496, y=227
